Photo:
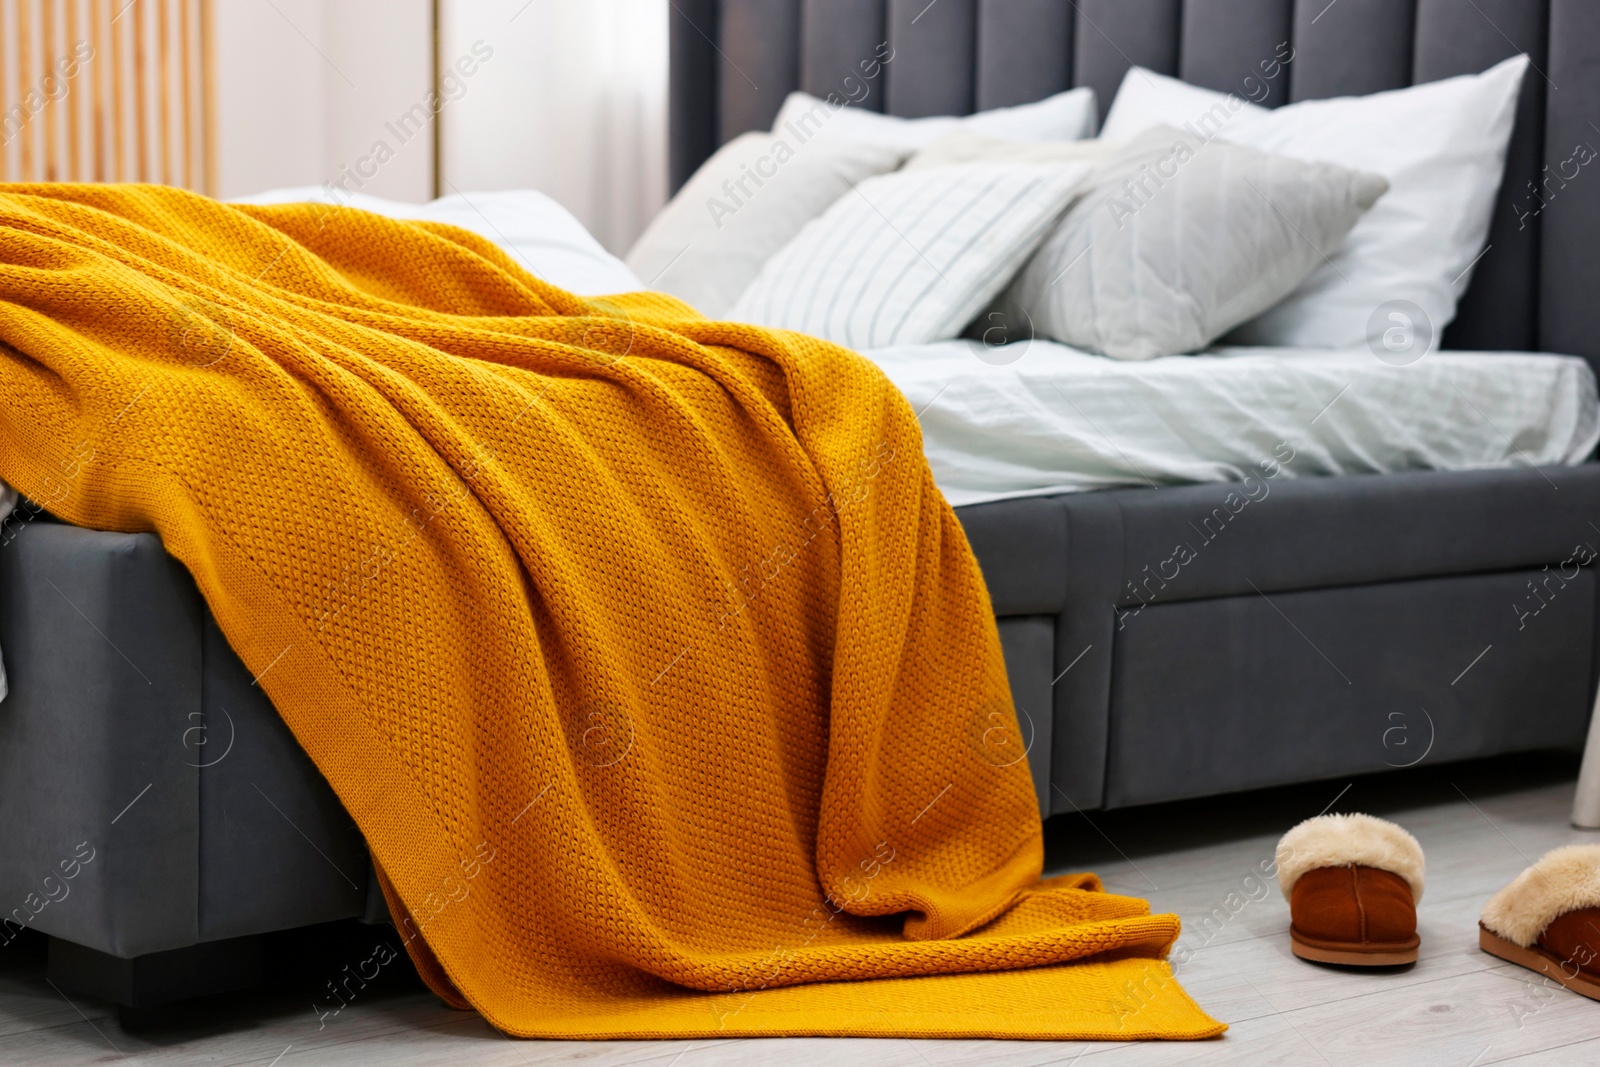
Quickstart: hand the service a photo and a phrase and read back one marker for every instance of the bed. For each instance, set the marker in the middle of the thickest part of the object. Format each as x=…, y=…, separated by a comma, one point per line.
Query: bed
x=1408, y=594
x=1348, y=615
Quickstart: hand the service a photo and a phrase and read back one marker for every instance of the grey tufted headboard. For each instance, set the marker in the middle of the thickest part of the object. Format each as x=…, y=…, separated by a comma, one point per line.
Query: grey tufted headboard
x=1537, y=287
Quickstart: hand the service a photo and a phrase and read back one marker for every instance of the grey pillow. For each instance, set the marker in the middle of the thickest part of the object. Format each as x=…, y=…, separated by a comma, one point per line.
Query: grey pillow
x=742, y=205
x=1176, y=240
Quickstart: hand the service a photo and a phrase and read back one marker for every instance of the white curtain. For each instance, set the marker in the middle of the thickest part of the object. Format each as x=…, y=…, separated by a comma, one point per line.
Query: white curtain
x=572, y=101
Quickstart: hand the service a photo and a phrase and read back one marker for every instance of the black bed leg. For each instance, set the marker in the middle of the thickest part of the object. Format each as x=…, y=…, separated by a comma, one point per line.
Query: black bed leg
x=160, y=977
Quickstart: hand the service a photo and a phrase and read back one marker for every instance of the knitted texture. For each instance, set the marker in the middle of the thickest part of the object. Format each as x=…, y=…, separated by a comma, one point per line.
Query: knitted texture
x=643, y=650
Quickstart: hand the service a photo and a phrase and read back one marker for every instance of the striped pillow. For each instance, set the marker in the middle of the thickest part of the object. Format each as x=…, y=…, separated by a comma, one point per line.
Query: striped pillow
x=910, y=257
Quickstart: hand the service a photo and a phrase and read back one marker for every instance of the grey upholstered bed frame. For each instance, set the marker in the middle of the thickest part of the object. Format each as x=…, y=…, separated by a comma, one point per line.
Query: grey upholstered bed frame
x=1332, y=627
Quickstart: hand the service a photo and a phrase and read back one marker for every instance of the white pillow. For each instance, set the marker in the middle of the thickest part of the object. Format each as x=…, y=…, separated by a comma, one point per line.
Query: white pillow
x=1442, y=147
x=910, y=257
x=1177, y=240
x=1068, y=116
x=964, y=146
x=742, y=205
x=1146, y=99
x=531, y=228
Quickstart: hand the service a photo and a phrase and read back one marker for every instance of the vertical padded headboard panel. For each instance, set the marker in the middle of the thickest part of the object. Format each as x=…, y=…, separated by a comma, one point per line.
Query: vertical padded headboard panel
x=1237, y=46
x=692, y=103
x=1113, y=35
x=1024, y=51
x=1537, y=286
x=932, y=70
x=1351, y=47
x=761, y=62
x=1500, y=309
x=835, y=37
x=1569, y=224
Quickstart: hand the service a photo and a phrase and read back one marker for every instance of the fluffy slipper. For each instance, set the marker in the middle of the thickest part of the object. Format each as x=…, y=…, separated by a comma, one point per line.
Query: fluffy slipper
x=1353, y=883
x=1548, y=919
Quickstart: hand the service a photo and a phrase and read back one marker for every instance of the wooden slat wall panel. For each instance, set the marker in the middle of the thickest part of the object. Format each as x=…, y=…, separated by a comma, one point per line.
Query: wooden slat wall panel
x=118, y=39
x=107, y=90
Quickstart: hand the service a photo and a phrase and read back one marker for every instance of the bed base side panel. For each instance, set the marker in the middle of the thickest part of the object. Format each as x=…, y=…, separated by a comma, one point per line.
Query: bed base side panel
x=1236, y=693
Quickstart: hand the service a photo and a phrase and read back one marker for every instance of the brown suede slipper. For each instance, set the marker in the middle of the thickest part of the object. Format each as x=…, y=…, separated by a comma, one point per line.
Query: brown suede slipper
x=1548, y=919
x=1353, y=883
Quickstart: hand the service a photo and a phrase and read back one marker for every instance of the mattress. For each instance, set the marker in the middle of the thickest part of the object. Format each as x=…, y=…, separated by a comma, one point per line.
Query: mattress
x=1047, y=418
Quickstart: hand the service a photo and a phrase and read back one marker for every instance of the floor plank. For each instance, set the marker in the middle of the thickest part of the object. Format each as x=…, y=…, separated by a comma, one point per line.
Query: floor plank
x=1479, y=825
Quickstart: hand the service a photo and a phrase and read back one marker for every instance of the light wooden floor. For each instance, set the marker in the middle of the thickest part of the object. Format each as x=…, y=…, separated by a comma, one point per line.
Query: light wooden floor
x=1480, y=825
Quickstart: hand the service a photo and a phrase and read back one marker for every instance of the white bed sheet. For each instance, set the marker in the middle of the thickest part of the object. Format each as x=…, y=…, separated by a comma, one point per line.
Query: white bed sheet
x=532, y=228
x=1058, y=420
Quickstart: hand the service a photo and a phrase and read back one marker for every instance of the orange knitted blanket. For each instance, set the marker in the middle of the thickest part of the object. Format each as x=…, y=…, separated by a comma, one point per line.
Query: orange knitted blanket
x=642, y=649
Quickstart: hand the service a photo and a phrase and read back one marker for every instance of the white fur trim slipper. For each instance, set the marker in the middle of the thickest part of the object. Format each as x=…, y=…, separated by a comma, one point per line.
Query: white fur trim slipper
x=1517, y=920
x=1349, y=841
x=1564, y=880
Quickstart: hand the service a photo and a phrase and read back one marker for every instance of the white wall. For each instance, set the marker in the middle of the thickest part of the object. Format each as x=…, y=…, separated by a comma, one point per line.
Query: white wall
x=385, y=48
x=305, y=87
x=269, y=96
x=573, y=103
x=565, y=96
